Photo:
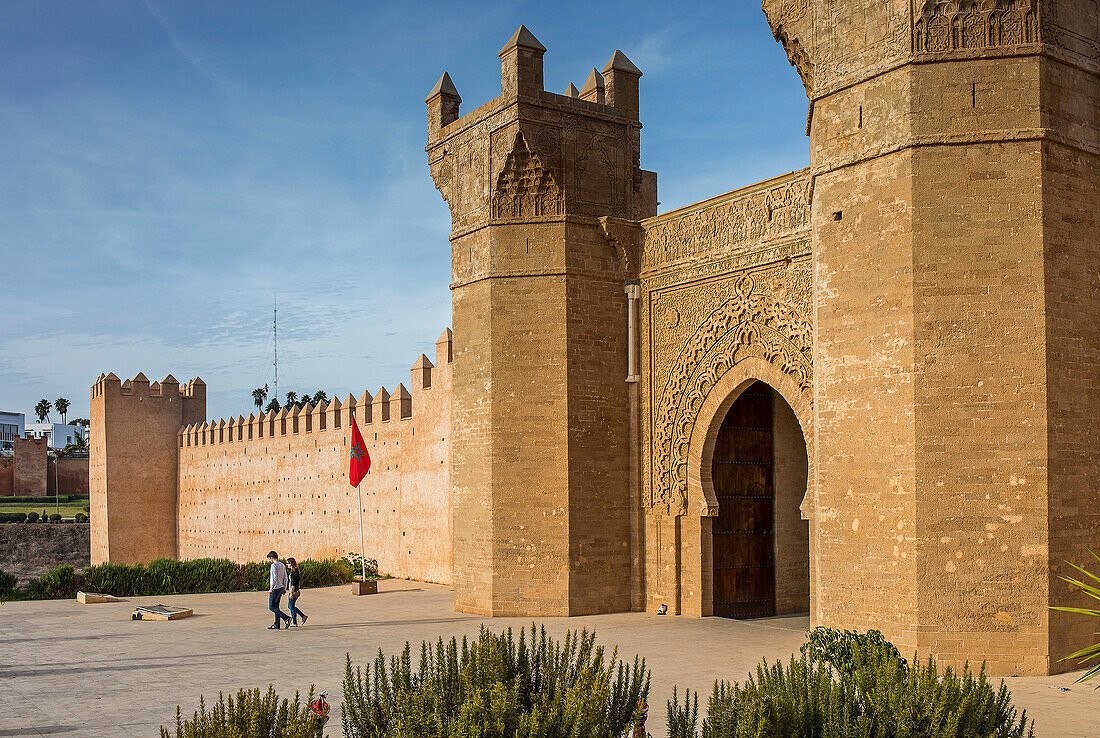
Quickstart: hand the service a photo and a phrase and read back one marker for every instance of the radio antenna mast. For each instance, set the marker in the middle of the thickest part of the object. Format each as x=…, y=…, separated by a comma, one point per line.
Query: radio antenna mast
x=275, y=330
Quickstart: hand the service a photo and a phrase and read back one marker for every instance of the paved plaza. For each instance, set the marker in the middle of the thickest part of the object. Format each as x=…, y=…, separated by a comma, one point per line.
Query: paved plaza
x=76, y=670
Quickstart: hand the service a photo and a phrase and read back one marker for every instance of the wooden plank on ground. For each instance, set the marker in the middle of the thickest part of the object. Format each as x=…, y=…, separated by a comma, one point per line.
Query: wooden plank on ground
x=161, y=612
x=93, y=598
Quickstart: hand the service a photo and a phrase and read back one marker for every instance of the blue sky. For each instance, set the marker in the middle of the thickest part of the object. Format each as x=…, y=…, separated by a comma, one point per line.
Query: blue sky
x=168, y=168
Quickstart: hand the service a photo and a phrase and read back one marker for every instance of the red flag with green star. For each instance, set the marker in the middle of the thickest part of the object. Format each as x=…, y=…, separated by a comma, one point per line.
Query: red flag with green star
x=360, y=459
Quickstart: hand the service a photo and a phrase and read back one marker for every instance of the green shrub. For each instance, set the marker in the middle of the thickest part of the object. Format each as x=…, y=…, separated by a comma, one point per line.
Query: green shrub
x=32, y=517
x=121, y=580
x=168, y=576
x=326, y=572
x=250, y=715
x=205, y=575
x=44, y=500
x=81, y=518
x=17, y=517
x=7, y=583
x=357, y=564
x=59, y=583
x=839, y=648
x=876, y=695
x=55, y=517
x=536, y=688
x=254, y=576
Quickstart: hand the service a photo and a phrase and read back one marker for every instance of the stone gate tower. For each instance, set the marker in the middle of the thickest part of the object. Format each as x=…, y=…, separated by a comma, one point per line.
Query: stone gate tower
x=542, y=190
x=955, y=164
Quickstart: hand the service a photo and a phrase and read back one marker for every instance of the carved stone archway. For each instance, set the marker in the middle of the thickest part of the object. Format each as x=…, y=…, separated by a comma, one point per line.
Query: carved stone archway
x=751, y=324
x=701, y=503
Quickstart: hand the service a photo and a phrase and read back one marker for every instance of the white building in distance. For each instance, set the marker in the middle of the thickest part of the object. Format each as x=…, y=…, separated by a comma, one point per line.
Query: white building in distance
x=59, y=435
x=11, y=427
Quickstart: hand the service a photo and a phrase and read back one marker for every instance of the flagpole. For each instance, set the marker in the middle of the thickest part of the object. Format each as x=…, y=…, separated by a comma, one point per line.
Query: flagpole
x=362, y=545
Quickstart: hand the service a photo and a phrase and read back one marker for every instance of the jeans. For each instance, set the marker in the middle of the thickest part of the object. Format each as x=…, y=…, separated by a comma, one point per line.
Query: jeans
x=274, y=597
x=292, y=604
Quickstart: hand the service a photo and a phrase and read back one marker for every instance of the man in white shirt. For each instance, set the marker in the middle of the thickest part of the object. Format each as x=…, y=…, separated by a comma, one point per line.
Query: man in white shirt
x=276, y=586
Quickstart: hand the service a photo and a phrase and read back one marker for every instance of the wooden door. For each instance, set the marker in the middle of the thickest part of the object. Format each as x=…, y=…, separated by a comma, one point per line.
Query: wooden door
x=743, y=532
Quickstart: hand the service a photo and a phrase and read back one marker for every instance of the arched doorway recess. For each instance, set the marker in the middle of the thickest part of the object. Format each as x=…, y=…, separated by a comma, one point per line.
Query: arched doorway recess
x=759, y=541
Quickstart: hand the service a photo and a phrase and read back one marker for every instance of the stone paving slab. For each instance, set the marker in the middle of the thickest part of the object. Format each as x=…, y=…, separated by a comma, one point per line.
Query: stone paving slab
x=75, y=670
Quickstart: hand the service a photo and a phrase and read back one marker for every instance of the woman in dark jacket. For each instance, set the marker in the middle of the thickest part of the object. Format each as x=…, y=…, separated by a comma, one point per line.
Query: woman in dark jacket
x=295, y=590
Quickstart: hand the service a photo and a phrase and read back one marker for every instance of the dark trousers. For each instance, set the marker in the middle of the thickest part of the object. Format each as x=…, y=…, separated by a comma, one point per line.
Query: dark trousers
x=292, y=605
x=274, y=597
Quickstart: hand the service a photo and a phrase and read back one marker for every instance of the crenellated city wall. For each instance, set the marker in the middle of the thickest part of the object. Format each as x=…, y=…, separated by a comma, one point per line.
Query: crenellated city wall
x=165, y=483
x=280, y=480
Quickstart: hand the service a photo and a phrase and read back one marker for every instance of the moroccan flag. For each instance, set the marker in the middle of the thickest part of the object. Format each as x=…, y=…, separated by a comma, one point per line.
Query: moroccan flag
x=360, y=459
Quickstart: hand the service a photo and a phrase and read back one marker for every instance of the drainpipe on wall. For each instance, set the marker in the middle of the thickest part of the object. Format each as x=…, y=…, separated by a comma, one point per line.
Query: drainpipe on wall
x=637, y=523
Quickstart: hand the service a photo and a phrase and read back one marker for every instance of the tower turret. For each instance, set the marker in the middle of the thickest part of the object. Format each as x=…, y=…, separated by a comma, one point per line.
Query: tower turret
x=540, y=415
x=134, y=463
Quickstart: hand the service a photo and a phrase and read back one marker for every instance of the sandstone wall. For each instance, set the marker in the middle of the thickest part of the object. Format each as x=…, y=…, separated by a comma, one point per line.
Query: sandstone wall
x=7, y=476
x=953, y=150
x=1071, y=214
x=29, y=472
x=30, y=550
x=279, y=482
x=71, y=474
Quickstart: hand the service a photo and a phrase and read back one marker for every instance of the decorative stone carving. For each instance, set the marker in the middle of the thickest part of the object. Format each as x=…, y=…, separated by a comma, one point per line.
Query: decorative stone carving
x=753, y=322
x=743, y=218
x=623, y=236
x=526, y=188
x=949, y=25
x=794, y=9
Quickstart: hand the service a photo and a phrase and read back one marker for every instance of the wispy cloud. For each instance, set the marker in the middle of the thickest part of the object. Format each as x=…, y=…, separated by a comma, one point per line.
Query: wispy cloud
x=168, y=167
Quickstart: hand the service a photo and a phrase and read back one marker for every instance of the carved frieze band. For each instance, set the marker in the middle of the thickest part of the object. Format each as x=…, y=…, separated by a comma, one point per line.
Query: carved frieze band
x=949, y=25
x=750, y=323
x=742, y=219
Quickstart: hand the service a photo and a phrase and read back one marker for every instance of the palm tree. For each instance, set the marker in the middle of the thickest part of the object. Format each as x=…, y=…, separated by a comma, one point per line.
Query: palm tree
x=259, y=395
x=291, y=399
x=42, y=410
x=1088, y=653
x=273, y=405
x=78, y=447
x=320, y=396
x=62, y=406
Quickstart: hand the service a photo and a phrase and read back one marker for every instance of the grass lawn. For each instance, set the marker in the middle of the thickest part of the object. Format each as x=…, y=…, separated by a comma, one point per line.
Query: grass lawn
x=67, y=510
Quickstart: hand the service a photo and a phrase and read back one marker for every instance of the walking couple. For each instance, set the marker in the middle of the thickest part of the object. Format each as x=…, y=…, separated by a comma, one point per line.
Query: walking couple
x=282, y=578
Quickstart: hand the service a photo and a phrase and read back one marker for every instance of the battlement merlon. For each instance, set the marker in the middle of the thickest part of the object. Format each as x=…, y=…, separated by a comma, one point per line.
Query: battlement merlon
x=521, y=78
x=335, y=414
x=533, y=154
x=158, y=396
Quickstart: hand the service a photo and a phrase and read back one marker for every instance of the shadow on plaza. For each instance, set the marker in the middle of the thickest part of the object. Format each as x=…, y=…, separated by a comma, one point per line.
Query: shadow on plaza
x=387, y=623
x=124, y=663
x=54, y=638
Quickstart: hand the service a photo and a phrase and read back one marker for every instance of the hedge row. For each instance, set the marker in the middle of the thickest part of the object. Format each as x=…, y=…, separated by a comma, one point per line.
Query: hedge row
x=34, y=517
x=31, y=500
x=168, y=576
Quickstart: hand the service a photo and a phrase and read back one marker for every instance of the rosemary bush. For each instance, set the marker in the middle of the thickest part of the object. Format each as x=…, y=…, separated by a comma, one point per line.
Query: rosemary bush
x=875, y=695
x=250, y=715
x=495, y=687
